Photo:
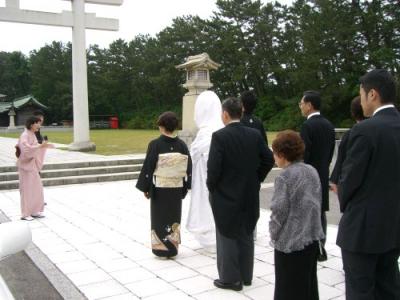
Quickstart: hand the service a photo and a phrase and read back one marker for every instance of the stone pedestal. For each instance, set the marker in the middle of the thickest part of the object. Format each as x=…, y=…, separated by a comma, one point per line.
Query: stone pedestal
x=82, y=146
x=189, y=128
x=187, y=136
x=189, y=100
x=11, y=114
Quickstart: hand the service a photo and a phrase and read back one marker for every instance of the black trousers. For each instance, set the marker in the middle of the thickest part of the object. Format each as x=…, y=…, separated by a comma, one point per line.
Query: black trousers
x=235, y=257
x=372, y=276
x=324, y=223
x=296, y=274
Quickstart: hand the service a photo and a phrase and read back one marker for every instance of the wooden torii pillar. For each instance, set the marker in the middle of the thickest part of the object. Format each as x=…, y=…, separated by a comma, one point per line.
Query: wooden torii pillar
x=78, y=20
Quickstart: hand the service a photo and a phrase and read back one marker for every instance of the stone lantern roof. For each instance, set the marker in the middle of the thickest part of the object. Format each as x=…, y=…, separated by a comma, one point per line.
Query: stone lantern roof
x=200, y=61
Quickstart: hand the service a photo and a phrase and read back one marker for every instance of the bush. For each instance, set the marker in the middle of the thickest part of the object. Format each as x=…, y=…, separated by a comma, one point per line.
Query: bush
x=147, y=118
x=287, y=117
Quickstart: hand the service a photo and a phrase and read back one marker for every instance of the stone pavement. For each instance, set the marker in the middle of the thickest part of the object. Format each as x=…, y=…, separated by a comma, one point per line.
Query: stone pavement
x=7, y=154
x=98, y=235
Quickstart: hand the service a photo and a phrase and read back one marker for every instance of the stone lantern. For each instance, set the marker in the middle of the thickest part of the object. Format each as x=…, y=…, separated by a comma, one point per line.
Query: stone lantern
x=197, y=80
x=12, y=115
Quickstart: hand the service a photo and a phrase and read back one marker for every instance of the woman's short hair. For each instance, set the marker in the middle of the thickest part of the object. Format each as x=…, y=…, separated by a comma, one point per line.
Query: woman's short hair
x=168, y=120
x=30, y=121
x=289, y=145
x=356, y=109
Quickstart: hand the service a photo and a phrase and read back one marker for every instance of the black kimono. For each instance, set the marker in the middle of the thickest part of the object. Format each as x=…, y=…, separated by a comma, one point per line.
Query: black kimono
x=166, y=202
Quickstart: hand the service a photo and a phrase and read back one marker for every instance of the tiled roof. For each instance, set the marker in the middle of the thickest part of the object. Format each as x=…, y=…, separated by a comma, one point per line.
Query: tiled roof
x=19, y=103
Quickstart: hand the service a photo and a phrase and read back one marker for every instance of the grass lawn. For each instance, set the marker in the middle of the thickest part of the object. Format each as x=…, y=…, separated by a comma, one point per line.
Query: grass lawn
x=113, y=141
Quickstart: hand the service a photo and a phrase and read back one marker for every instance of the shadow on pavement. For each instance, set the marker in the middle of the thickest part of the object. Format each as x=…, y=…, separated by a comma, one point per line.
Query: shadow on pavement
x=25, y=280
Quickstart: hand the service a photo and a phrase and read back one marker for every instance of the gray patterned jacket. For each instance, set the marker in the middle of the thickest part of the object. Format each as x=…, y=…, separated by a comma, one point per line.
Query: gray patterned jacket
x=296, y=208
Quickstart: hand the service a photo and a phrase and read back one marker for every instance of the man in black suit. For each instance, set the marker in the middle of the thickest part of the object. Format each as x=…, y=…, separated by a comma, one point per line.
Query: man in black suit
x=239, y=160
x=318, y=135
x=358, y=116
x=369, y=195
x=249, y=101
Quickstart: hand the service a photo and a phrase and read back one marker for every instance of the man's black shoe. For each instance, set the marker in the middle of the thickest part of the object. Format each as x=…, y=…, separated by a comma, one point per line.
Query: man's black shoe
x=247, y=283
x=236, y=286
x=322, y=255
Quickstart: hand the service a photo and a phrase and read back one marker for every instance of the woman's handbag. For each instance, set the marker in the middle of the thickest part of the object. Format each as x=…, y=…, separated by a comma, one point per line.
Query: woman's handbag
x=17, y=151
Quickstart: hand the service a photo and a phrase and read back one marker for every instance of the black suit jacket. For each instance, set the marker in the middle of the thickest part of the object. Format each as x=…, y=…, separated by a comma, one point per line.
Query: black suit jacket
x=238, y=161
x=253, y=122
x=369, y=188
x=341, y=156
x=318, y=135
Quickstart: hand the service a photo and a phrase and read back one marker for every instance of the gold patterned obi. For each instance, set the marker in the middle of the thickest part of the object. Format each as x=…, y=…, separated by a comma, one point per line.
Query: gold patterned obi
x=170, y=170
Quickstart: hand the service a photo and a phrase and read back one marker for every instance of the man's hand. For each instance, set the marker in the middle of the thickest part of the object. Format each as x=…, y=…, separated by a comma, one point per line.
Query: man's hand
x=333, y=188
x=146, y=194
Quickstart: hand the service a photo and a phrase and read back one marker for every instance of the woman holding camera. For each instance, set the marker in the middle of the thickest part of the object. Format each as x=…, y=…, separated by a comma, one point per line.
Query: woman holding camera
x=30, y=162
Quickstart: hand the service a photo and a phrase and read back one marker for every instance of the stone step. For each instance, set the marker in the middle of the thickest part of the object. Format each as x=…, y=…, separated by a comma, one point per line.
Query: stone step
x=13, y=184
x=8, y=176
x=272, y=175
x=80, y=164
x=65, y=176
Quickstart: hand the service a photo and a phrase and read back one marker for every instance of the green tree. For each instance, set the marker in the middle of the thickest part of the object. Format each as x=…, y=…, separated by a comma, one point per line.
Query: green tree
x=52, y=79
x=15, y=74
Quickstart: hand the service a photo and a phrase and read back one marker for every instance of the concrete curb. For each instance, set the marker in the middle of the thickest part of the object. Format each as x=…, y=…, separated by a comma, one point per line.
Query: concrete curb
x=57, y=279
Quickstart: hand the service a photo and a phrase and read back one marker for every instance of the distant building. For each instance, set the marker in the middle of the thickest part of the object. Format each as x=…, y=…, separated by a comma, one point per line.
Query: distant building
x=23, y=107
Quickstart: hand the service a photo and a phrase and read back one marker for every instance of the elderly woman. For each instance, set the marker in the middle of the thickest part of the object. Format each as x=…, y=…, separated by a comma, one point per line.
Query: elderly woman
x=295, y=225
x=200, y=221
x=165, y=178
x=30, y=162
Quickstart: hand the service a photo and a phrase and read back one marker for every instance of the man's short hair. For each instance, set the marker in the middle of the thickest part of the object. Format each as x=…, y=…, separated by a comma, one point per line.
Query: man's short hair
x=168, y=120
x=233, y=106
x=381, y=81
x=314, y=98
x=356, y=109
x=249, y=101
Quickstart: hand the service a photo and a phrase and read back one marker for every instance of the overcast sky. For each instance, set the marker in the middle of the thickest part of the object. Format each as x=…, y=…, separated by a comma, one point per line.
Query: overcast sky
x=135, y=17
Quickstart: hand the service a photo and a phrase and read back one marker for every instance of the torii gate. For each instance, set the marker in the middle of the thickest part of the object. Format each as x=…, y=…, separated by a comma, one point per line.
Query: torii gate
x=78, y=20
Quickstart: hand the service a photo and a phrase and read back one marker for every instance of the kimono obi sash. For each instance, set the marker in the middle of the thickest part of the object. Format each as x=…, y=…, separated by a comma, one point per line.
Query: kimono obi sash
x=170, y=170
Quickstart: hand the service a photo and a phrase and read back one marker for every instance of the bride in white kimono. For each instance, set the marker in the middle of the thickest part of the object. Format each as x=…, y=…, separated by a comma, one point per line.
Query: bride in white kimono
x=200, y=221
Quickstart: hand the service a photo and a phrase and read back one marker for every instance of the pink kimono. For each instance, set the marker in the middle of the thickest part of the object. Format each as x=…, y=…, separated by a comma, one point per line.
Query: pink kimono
x=29, y=165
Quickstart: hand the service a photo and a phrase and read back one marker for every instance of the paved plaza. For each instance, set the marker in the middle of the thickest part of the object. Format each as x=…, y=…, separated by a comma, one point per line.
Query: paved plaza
x=7, y=154
x=98, y=236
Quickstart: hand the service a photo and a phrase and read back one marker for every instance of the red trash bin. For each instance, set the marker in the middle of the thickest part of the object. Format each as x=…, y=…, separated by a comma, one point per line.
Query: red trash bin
x=113, y=122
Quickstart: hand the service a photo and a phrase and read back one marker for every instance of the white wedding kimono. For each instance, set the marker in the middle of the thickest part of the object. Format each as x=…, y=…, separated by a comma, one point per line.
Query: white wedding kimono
x=200, y=221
